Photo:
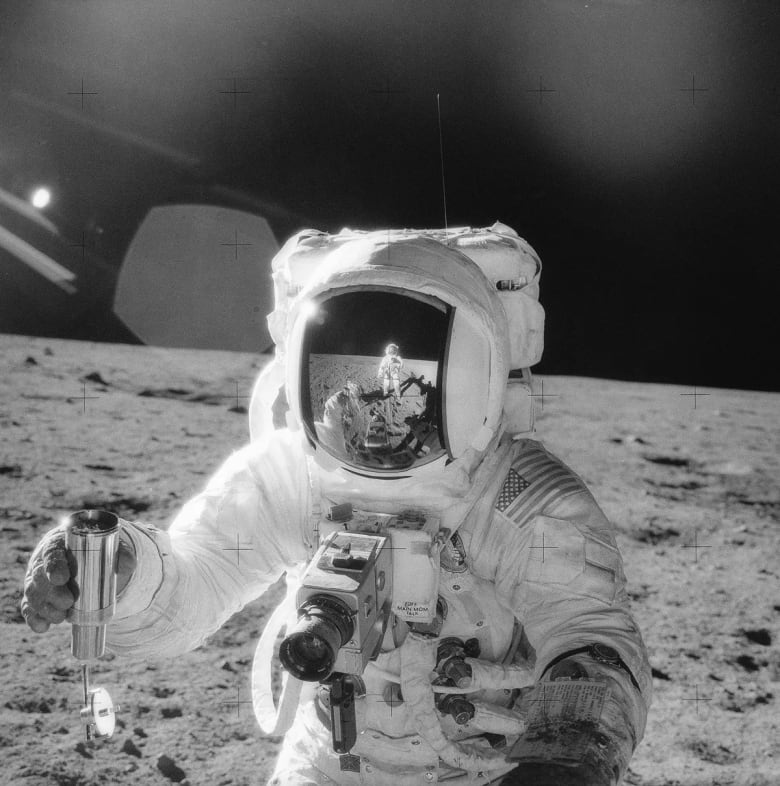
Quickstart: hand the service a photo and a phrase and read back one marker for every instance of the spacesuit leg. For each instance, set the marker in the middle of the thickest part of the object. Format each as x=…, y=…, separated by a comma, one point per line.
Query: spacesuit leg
x=294, y=766
x=306, y=757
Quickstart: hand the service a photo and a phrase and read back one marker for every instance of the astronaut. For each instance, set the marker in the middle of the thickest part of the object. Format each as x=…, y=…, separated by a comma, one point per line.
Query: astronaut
x=531, y=670
x=337, y=429
x=390, y=370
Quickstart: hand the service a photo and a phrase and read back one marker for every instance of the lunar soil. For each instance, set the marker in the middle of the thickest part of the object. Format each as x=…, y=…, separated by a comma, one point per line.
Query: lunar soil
x=689, y=482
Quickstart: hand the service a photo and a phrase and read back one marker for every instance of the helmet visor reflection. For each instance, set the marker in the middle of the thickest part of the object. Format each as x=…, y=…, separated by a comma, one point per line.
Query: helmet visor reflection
x=372, y=367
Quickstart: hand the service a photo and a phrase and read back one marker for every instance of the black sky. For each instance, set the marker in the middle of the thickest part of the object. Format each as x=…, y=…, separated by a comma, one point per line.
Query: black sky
x=653, y=207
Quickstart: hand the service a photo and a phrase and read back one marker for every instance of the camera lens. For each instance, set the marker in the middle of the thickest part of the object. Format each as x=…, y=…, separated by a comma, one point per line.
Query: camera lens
x=324, y=626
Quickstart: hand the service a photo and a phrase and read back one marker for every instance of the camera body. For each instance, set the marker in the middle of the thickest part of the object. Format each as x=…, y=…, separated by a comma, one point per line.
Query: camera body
x=368, y=567
x=356, y=569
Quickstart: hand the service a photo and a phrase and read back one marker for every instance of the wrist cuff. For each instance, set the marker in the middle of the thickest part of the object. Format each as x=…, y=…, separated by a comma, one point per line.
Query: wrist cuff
x=600, y=653
x=147, y=577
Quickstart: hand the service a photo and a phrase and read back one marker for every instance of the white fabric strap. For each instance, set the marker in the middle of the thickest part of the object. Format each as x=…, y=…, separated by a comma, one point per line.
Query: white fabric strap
x=275, y=720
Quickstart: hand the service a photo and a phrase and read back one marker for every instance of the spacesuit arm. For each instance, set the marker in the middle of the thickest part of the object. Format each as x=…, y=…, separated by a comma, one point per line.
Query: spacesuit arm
x=575, y=595
x=562, y=574
x=224, y=549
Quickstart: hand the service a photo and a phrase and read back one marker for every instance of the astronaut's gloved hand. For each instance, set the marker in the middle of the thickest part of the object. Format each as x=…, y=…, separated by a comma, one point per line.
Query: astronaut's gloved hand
x=550, y=774
x=557, y=750
x=47, y=597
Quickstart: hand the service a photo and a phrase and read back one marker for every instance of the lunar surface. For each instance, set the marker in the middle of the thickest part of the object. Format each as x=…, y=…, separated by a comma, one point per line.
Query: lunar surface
x=690, y=482
x=359, y=424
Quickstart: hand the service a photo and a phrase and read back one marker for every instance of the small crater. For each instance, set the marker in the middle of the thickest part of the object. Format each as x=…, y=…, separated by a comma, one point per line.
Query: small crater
x=660, y=675
x=171, y=712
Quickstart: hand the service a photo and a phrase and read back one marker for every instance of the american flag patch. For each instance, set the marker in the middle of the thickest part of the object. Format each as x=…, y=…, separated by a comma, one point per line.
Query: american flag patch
x=547, y=479
x=513, y=486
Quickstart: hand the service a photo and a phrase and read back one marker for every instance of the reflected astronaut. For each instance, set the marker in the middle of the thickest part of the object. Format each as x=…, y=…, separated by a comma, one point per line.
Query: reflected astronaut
x=390, y=370
x=338, y=428
x=430, y=633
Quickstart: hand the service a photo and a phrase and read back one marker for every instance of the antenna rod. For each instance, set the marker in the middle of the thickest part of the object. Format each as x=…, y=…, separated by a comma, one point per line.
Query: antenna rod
x=441, y=156
x=85, y=682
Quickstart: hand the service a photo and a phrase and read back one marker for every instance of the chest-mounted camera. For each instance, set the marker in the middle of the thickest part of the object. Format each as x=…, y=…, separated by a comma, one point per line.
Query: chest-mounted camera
x=367, y=568
x=343, y=607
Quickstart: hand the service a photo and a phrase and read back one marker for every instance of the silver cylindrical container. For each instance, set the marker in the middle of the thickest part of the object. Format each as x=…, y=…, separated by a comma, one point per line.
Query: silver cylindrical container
x=92, y=541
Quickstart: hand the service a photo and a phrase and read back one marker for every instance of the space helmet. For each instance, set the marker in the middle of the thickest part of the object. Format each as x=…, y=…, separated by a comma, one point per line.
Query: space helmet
x=342, y=300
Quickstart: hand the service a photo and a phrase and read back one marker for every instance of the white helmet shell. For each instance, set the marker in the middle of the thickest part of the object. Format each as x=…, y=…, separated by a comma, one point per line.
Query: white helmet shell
x=485, y=280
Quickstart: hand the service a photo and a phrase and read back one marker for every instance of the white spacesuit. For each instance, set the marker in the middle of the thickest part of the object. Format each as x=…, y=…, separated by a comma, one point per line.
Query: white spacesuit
x=529, y=582
x=390, y=370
